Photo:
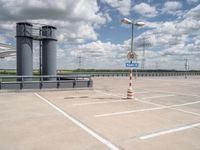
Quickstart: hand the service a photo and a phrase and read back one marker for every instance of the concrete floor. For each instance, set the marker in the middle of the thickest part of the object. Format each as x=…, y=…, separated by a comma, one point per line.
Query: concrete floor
x=165, y=114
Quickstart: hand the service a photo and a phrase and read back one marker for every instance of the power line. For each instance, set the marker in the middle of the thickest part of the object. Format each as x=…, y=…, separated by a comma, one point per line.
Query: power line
x=186, y=66
x=79, y=62
x=144, y=44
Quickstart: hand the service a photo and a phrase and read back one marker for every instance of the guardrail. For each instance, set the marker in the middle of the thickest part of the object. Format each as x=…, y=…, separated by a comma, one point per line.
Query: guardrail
x=142, y=74
x=43, y=82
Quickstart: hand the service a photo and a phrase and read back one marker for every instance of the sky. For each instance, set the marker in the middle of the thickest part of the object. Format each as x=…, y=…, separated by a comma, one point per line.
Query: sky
x=91, y=31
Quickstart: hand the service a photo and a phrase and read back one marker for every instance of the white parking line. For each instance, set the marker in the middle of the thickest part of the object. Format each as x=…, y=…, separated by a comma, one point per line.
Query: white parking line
x=188, y=82
x=184, y=104
x=128, y=112
x=158, y=96
x=119, y=96
x=143, y=110
x=148, y=136
x=81, y=125
x=115, y=95
x=188, y=112
x=155, y=104
x=102, y=102
x=143, y=92
x=192, y=95
x=147, y=102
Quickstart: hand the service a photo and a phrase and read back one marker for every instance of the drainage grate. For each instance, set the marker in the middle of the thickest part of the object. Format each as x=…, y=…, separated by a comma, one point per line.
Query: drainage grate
x=76, y=97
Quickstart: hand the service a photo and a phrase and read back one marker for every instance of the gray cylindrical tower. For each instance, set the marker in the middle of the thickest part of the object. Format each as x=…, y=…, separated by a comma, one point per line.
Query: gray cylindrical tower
x=24, y=49
x=49, y=51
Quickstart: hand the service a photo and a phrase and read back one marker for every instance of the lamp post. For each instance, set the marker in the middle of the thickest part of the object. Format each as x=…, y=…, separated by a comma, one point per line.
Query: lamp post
x=130, y=94
x=132, y=23
x=186, y=67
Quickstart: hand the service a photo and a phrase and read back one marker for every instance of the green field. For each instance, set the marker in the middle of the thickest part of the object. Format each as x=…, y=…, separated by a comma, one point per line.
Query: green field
x=88, y=71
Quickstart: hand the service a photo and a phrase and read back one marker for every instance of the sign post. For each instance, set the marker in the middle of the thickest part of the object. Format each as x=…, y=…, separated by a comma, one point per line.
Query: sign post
x=131, y=56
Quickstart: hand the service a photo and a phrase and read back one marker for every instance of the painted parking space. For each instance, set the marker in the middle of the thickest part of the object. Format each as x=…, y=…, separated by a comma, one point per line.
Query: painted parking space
x=134, y=126
x=26, y=122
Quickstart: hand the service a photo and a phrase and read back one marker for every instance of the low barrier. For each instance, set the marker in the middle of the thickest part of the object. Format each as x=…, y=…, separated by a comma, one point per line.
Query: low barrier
x=142, y=74
x=41, y=82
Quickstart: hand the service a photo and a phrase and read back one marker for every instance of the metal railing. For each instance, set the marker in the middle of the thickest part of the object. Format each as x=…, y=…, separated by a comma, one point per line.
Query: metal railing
x=142, y=74
x=41, y=82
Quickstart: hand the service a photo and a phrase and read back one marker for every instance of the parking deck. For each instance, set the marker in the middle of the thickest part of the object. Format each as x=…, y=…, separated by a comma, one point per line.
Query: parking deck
x=165, y=114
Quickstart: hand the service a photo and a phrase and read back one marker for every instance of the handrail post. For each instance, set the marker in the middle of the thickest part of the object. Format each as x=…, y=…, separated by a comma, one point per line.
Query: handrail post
x=41, y=82
x=21, y=82
x=58, y=82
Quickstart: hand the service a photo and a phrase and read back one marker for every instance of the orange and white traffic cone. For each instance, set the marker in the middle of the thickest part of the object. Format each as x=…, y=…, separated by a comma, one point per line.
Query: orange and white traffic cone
x=130, y=94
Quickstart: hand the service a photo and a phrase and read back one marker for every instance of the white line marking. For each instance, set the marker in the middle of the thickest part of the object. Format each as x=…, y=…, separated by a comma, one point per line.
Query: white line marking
x=102, y=102
x=125, y=97
x=190, y=103
x=188, y=112
x=174, y=93
x=147, y=102
x=155, y=104
x=143, y=92
x=159, y=96
x=81, y=125
x=169, y=131
x=128, y=112
x=189, y=82
x=143, y=110
x=98, y=91
x=184, y=104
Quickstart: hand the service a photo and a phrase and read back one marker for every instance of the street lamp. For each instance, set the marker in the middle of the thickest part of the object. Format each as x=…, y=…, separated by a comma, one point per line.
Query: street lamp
x=133, y=23
x=130, y=94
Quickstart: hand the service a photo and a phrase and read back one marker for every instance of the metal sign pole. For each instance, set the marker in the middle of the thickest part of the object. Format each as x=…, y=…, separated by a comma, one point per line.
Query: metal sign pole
x=132, y=38
x=186, y=68
x=136, y=75
x=130, y=94
x=131, y=55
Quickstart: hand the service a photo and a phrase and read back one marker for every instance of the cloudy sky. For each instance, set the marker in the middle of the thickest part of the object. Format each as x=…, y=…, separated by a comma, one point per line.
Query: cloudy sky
x=92, y=30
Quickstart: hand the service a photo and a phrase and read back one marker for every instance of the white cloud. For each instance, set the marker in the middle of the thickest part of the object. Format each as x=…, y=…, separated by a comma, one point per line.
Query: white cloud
x=172, y=33
x=192, y=1
x=73, y=10
x=2, y=39
x=172, y=7
x=189, y=26
x=98, y=54
x=172, y=41
x=169, y=41
x=76, y=20
x=123, y=6
x=98, y=49
x=194, y=13
x=145, y=10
